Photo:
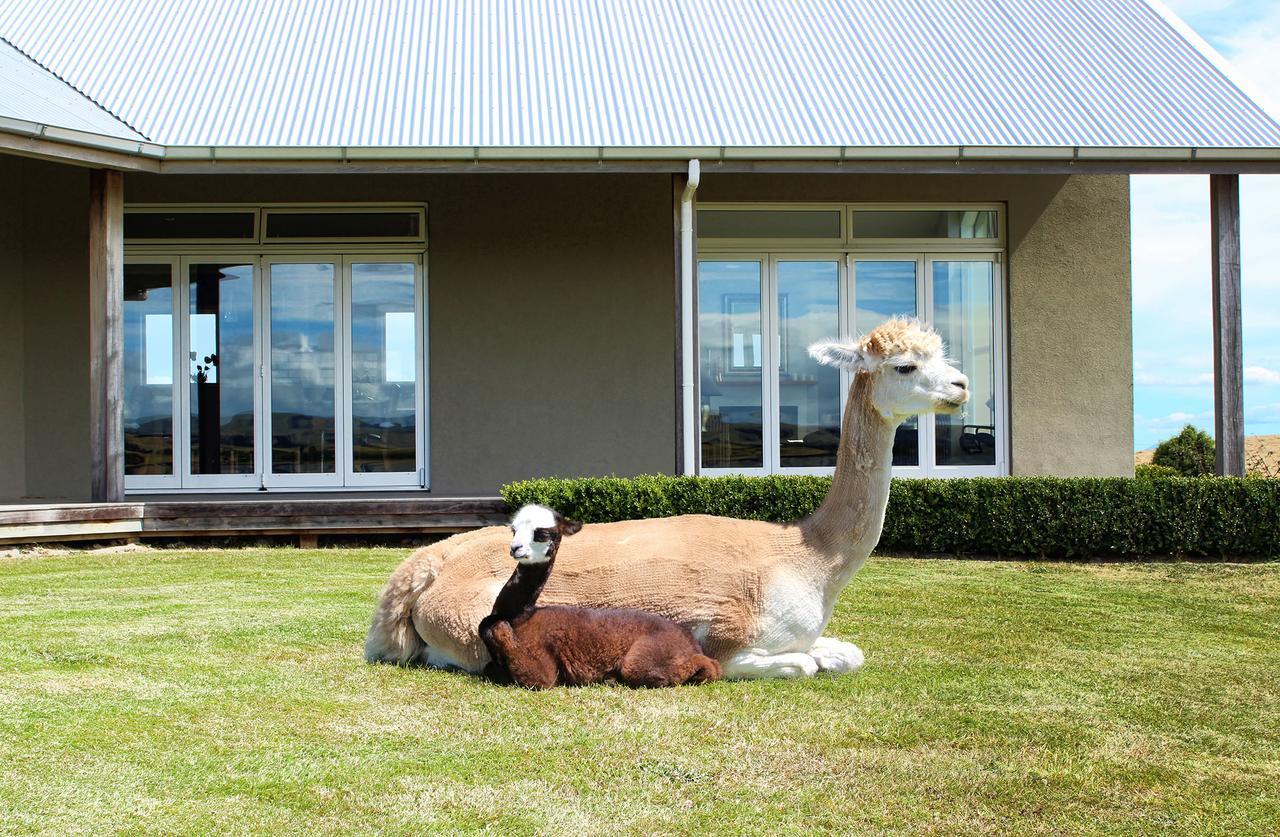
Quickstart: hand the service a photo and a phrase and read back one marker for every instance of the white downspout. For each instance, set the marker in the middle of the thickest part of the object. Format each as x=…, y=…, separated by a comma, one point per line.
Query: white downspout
x=690, y=411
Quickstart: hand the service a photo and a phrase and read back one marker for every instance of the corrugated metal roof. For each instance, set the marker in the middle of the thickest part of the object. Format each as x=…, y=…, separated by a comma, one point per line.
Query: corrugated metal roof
x=32, y=94
x=643, y=73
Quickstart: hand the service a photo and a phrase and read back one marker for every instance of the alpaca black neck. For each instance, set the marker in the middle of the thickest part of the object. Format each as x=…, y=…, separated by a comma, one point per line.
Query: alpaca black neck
x=521, y=590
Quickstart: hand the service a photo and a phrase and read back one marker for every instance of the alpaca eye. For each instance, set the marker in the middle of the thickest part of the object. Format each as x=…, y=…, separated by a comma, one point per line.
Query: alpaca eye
x=541, y=535
x=906, y=370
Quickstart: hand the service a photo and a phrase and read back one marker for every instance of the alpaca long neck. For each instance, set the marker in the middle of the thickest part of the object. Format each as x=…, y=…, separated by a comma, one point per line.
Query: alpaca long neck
x=521, y=591
x=848, y=522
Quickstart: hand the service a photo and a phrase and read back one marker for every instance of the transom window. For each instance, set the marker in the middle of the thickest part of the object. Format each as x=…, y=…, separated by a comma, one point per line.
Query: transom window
x=765, y=406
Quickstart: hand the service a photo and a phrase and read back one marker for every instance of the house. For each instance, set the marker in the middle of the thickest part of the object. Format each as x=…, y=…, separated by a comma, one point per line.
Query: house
x=323, y=256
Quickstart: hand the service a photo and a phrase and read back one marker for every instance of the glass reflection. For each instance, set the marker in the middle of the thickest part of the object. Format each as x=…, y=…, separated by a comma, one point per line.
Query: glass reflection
x=303, y=429
x=148, y=370
x=221, y=368
x=730, y=345
x=962, y=310
x=384, y=368
x=887, y=289
x=808, y=392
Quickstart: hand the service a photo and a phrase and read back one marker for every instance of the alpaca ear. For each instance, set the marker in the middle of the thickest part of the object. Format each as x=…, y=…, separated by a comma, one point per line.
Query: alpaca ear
x=567, y=527
x=842, y=355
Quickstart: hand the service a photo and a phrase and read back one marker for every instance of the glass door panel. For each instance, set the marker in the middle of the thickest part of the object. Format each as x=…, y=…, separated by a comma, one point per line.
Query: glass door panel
x=384, y=372
x=885, y=288
x=302, y=369
x=809, y=394
x=963, y=313
x=221, y=367
x=149, y=348
x=731, y=353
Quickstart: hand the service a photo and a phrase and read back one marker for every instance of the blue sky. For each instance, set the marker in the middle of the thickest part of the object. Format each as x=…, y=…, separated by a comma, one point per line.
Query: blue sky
x=1172, y=349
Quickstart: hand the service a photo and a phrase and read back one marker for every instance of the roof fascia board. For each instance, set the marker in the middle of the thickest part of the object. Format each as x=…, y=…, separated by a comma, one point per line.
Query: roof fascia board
x=29, y=144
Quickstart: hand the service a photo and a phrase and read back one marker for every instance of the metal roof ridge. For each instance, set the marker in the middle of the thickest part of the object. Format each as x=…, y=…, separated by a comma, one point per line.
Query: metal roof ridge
x=71, y=86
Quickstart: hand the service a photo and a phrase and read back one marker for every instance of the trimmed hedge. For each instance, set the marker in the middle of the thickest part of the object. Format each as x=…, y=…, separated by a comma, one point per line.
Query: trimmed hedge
x=1046, y=517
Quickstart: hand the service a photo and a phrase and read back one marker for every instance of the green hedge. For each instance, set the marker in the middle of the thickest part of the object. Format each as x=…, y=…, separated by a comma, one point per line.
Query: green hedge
x=1010, y=516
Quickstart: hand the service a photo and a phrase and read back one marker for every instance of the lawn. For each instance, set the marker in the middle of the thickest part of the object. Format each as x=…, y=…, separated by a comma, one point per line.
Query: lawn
x=224, y=690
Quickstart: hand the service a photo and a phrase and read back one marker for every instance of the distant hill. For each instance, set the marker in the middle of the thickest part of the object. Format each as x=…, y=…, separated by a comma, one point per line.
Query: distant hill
x=1266, y=446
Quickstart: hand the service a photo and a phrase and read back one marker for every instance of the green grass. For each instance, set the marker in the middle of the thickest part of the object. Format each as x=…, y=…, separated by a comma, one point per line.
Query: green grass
x=223, y=690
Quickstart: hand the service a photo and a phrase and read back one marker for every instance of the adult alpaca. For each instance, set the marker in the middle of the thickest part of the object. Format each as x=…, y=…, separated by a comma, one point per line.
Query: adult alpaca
x=757, y=595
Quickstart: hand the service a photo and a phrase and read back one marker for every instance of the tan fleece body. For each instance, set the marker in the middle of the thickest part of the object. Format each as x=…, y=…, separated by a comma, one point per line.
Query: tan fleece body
x=712, y=574
x=707, y=573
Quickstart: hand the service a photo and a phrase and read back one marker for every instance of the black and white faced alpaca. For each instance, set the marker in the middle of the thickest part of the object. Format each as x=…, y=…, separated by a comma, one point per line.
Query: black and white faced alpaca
x=540, y=647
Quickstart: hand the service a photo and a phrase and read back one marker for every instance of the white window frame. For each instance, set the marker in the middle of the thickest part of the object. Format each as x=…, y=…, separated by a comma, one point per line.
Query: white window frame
x=403, y=479
x=201, y=482
x=767, y=352
x=180, y=254
x=924, y=252
x=172, y=480
x=270, y=479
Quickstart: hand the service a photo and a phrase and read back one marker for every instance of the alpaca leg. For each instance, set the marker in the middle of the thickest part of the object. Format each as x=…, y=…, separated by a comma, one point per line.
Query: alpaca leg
x=753, y=665
x=650, y=665
x=530, y=667
x=836, y=656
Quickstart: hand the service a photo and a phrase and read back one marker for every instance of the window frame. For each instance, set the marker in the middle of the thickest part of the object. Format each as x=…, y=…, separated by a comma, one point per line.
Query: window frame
x=179, y=254
x=847, y=252
x=172, y=480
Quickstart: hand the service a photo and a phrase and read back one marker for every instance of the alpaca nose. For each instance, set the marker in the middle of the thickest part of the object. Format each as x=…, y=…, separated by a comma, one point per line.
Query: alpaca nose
x=963, y=383
x=517, y=550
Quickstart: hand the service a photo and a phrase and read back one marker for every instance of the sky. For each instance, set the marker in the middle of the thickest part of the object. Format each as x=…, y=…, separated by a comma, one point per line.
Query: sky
x=1172, y=341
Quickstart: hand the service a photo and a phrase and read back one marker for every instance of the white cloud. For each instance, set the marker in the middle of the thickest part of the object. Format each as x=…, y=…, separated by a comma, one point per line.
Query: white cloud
x=1261, y=375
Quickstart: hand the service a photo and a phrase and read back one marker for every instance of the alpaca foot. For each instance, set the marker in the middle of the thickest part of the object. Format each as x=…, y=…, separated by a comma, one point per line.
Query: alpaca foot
x=835, y=656
x=750, y=665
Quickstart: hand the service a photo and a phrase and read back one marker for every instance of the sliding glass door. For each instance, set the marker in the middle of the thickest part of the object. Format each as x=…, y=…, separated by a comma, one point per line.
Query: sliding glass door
x=300, y=395
x=219, y=333
x=276, y=372
x=385, y=350
x=767, y=407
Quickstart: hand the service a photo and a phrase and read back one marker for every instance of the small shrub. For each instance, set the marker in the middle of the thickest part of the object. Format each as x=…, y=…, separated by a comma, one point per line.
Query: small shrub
x=1032, y=517
x=1154, y=472
x=1190, y=453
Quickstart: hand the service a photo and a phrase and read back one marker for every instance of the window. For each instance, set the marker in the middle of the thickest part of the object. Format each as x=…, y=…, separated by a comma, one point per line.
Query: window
x=159, y=225
x=315, y=225
x=766, y=407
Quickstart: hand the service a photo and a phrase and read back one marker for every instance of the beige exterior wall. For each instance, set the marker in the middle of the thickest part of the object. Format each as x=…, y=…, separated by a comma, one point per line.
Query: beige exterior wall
x=44, y=255
x=551, y=313
x=1069, y=303
x=13, y=448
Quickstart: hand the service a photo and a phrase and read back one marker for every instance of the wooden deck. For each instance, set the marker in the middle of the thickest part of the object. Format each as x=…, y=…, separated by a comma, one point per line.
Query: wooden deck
x=305, y=518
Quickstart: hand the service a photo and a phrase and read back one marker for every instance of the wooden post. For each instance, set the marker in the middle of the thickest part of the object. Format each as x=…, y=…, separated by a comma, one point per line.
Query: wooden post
x=106, y=335
x=1228, y=345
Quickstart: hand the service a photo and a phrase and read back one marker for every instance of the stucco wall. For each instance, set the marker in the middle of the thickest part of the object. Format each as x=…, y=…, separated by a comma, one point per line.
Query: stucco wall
x=13, y=466
x=552, y=327
x=1068, y=283
x=551, y=315
x=56, y=338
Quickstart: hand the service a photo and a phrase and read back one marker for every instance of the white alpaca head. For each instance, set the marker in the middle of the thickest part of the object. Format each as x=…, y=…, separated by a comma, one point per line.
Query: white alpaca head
x=907, y=364
x=536, y=532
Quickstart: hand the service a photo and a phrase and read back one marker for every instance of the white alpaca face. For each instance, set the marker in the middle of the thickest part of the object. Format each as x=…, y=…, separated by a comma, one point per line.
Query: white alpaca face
x=904, y=384
x=532, y=531
x=909, y=385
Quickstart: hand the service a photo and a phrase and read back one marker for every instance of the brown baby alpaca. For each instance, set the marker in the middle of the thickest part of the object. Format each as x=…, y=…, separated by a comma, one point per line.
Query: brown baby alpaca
x=542, y=647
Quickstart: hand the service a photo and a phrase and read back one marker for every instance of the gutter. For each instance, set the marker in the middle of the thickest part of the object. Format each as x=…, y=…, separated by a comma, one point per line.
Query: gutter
x=687, y=394
x=587, y=154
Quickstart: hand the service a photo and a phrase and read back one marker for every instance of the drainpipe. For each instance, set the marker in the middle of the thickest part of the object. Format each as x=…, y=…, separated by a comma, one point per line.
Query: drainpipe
x=690, y=411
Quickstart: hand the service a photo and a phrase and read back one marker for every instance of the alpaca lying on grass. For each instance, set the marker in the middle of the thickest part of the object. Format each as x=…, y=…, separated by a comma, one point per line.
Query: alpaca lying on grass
x=541, y=647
